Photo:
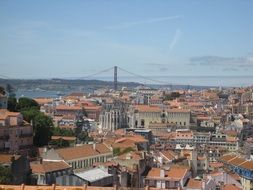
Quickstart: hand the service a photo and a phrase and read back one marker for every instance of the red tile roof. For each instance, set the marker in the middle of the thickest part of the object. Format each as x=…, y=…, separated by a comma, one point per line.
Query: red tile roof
x=170, y=155
x=6, y=158
x=53, y=187
x=194, y=184
x=46, y=166
x=174, y=173
x=77, y=152
x=66, y=138
x=147, y=108
x=65, y=107
x=230, y=187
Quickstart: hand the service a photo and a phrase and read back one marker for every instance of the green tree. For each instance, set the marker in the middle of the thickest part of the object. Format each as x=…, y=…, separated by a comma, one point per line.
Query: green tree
x=116, y=151
x=60, y=143
x=84, y=112
x=2, y=90
x=30, y=114
x=57, y=131
x=25, y=103
x=42, y=125
x=5, y=175
x=126, y=150
x=83, y=136
x=171, y=96
x=12, y=103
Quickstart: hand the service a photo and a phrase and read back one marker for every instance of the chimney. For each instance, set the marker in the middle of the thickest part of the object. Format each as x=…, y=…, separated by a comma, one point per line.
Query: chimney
x=85, y=187
x=162, y=173
x=53, y=186
x=94, y=146
x=40, y=160
x=203, y=184
x=13, y=158
x=22, y=186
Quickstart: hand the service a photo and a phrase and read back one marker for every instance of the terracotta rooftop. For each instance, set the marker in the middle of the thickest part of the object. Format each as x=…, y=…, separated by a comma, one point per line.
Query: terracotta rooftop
x=177, y=173
x=230, y=187
x=231, y=139
x=46, y=167
x=134, y=138
x=6, y=158
x=131, y=155
x=77, y=152
x=66, y=138
x=226, y=158
x=194, y=184
x=65, y=107
x=78, y=94
x=247, y=165
x=122, y=144
x=147, y=108
x=174, y=173
x=4, y=113
x=216, y=164
x=178, y=110
x=236, y=161
x=42, y=101
x=201, y=158
x=53, y=187
x=169, y=154
x=92, y=107
x=154, y=173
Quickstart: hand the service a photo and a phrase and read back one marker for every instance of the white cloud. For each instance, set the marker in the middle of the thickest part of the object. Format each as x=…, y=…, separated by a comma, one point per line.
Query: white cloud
x=243, y=61
x=175, y=39
x=148, y=21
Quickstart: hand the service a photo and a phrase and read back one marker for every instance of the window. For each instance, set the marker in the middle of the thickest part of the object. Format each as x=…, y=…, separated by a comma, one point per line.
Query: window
x=142, y=122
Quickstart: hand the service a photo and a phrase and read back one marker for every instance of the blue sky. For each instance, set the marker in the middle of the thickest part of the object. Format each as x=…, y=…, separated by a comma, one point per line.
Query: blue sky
x=45, y=39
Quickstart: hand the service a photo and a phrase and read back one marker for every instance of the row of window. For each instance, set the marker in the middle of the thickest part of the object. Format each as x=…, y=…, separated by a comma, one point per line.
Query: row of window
x=88, y=162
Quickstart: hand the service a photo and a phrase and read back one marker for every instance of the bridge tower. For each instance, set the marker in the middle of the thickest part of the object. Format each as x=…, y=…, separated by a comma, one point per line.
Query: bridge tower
x=115, y=78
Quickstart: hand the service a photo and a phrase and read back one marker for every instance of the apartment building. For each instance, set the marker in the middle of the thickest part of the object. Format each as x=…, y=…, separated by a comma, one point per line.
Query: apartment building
x=174, y=178
x=79, y=157
x=46, y=172
x=142, y=115
x=16, y=135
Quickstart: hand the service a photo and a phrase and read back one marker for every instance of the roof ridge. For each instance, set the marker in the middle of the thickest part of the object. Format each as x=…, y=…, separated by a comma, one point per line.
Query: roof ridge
x=242, y=162
x=232, y=158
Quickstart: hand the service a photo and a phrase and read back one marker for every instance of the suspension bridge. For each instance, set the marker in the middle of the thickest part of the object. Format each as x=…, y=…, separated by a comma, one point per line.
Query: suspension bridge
x=116, y=69
x=130, y=77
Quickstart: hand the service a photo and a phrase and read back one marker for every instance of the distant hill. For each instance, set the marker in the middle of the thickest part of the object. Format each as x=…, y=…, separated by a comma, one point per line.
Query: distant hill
x=63, y=84
x=79, y=85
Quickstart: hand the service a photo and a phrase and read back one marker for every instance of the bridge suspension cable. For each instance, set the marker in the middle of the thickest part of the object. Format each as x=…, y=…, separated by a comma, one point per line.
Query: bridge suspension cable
x=97, y=73
x=144, y=77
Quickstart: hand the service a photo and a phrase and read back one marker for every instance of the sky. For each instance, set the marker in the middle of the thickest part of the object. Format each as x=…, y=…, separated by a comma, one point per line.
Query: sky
x=64, y=39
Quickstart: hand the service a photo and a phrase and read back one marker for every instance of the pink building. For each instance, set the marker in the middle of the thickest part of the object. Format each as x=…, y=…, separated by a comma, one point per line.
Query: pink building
x=16, y=135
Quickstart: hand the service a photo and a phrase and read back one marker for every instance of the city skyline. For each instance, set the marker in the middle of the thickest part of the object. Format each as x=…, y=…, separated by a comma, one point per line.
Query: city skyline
x=151, y=38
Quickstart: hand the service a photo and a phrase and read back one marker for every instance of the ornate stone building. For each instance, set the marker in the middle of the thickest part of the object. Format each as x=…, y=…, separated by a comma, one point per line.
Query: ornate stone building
x=113, y=115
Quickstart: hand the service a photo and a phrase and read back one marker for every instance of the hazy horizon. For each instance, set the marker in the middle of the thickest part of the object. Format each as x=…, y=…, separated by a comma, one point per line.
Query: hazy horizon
x=224, y=81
